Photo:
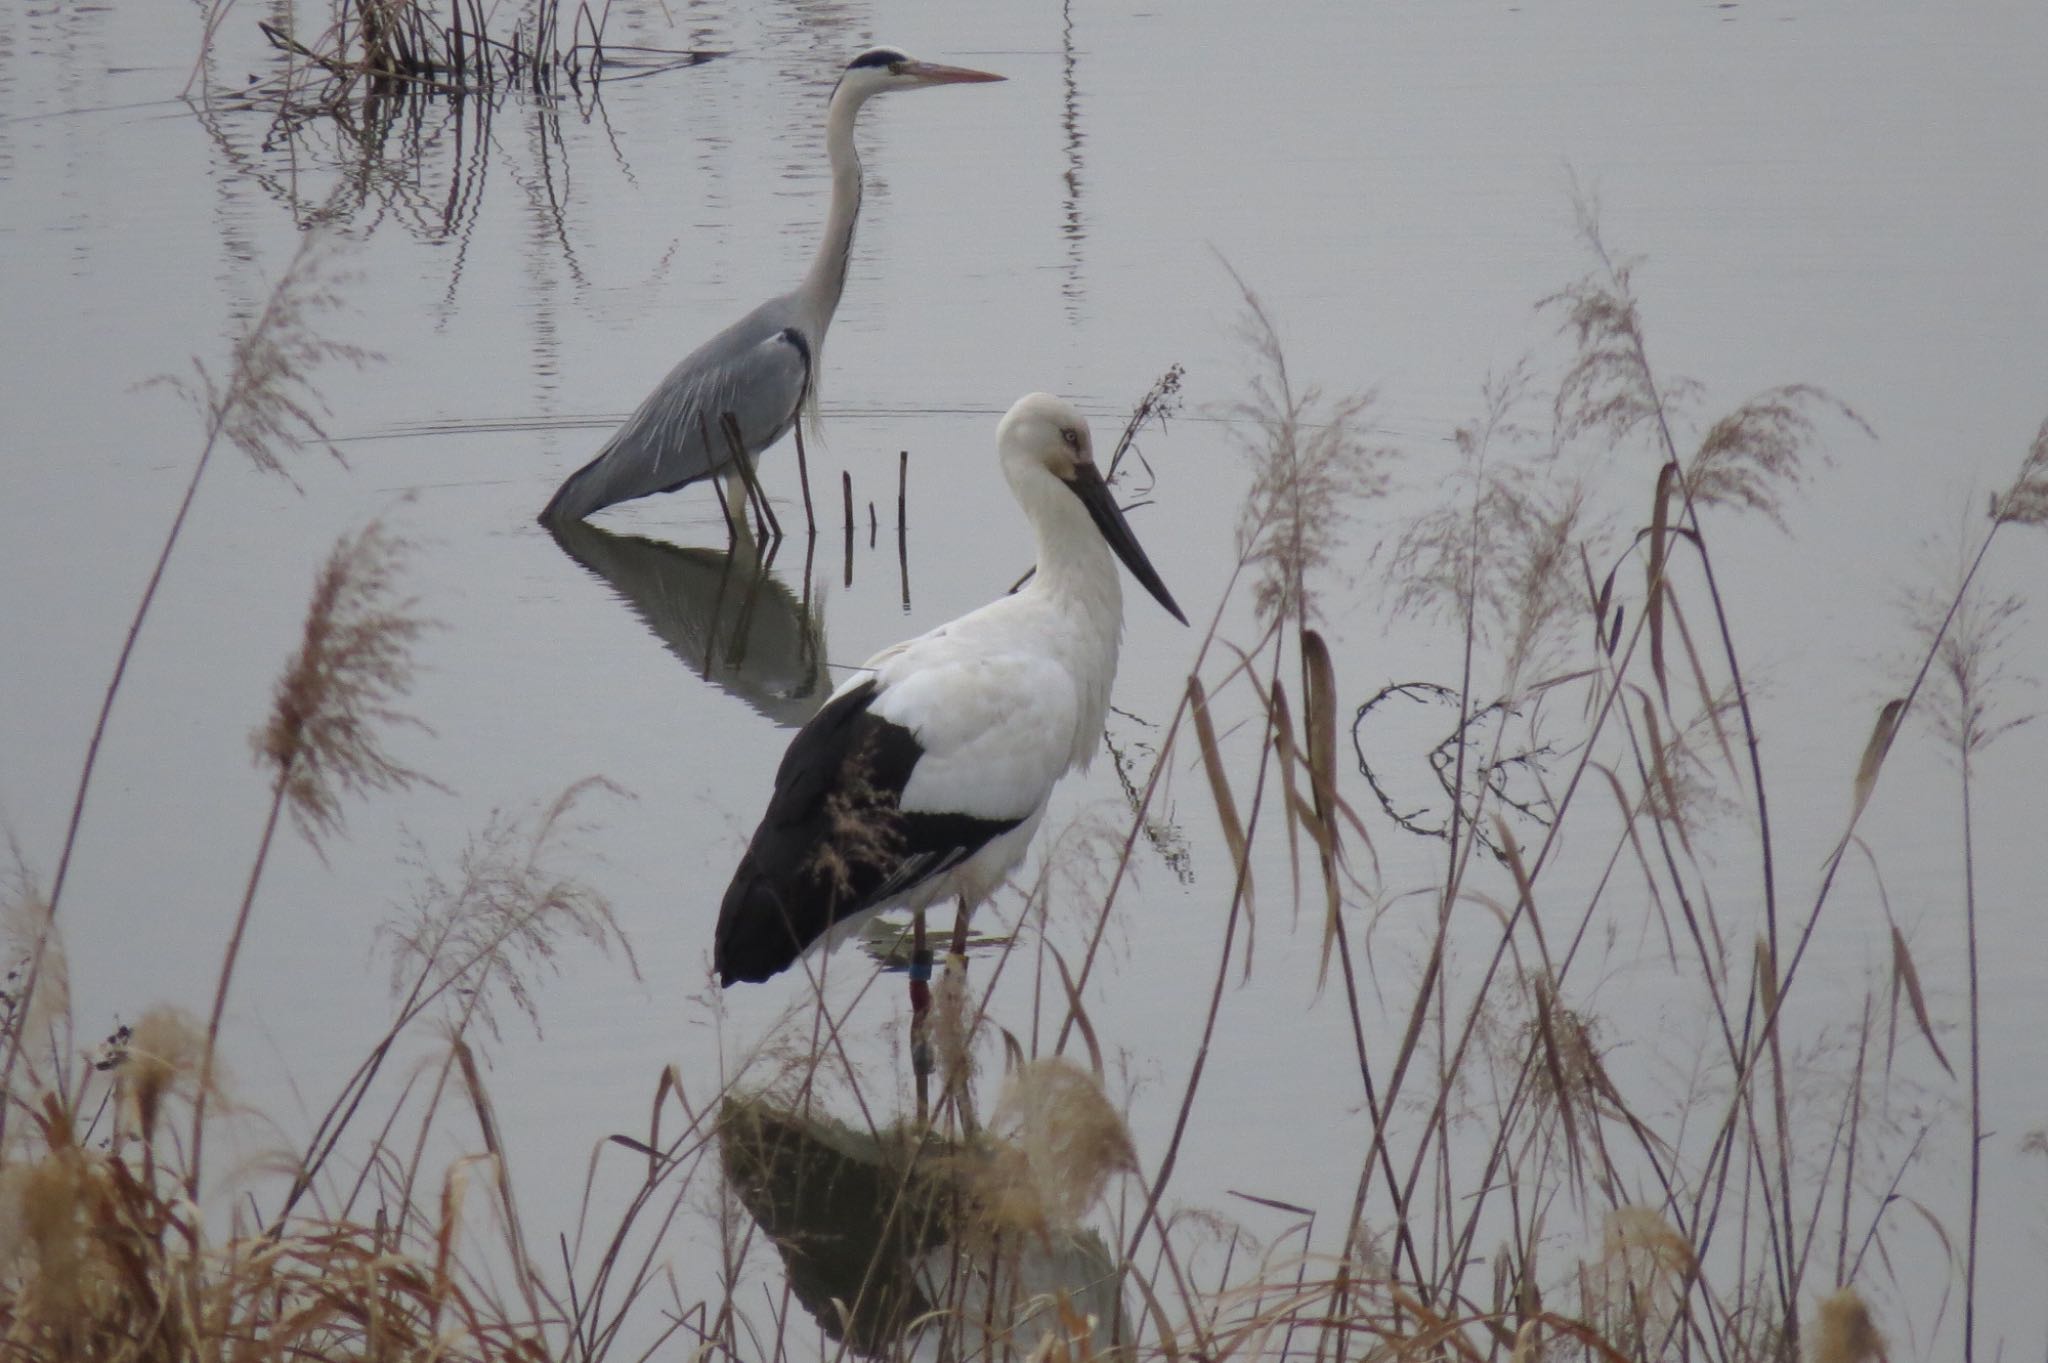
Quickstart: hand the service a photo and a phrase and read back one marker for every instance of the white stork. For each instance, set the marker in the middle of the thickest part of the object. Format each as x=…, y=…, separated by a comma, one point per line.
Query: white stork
x=927, y=773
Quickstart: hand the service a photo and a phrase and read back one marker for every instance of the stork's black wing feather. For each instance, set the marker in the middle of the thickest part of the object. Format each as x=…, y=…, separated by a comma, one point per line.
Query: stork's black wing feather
x=835, y=840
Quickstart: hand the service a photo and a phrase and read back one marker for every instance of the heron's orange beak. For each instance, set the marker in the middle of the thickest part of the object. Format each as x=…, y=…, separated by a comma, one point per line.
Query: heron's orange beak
x=931, y=73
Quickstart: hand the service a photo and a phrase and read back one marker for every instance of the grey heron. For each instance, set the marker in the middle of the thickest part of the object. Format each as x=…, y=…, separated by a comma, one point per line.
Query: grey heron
x=927, y=773
x=762, y=371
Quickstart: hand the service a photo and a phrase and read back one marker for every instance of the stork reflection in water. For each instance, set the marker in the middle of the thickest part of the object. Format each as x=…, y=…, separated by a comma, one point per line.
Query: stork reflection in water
x=927, y=773
x=746, y=386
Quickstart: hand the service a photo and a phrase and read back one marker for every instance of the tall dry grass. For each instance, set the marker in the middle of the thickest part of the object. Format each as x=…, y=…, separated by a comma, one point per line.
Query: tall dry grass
x=1589, y=1217
x=1523, y=1188
x=114, y=1241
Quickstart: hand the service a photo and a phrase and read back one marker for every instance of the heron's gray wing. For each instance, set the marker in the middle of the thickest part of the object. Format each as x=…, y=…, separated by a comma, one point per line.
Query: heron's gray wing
x=756, y=371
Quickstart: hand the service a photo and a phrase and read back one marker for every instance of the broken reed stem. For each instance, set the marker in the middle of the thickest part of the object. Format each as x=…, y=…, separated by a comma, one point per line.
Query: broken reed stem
x=1976, y=1056
x=902, y=487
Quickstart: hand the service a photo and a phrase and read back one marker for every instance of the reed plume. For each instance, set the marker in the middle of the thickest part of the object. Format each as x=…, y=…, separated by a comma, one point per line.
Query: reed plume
x=1843, y=1331
x=510, y=906
x=267, y=404
x=162, y=1054
x=1312, y=461
x=2025, y=502
x=1058, y=1142
x=1500, y=550
x=324, y=740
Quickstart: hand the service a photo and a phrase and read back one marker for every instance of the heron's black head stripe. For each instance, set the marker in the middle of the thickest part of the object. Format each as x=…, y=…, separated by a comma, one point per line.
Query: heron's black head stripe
x=878, y=56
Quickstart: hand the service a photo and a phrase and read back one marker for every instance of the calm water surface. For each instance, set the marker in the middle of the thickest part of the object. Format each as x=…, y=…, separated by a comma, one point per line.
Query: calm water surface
x=1845, y=195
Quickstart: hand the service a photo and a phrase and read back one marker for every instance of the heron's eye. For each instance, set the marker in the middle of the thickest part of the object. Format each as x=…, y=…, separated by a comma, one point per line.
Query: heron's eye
x=1072, y=437
x=895, y=68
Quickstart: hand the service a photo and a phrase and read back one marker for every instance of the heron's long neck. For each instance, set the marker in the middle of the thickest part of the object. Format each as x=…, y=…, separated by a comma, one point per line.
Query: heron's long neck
x=827, y=277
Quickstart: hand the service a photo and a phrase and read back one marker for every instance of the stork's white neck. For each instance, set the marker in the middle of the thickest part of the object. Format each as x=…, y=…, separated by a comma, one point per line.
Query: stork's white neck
x=827, y=277
x=1074, y=562
x=1078, y=583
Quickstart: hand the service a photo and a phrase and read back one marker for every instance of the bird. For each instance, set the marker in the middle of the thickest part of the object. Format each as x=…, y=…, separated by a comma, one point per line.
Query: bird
x=927, y=773
x=762, y=371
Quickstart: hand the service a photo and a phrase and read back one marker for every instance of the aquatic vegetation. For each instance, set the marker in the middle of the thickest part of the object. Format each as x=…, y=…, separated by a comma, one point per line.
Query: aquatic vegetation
x=389, y=46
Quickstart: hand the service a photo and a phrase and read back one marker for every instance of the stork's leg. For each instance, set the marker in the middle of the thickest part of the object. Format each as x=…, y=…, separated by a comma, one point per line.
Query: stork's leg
x=921, y=1014
x=956, y=1087
x=961, y=914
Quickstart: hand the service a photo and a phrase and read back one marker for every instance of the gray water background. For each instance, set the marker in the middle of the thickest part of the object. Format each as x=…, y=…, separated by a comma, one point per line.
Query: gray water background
x=1847, y=195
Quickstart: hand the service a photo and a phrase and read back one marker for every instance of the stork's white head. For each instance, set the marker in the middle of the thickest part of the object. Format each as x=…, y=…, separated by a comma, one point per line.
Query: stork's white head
x=1048, y=432
x=881, y=69
x=1042, y=435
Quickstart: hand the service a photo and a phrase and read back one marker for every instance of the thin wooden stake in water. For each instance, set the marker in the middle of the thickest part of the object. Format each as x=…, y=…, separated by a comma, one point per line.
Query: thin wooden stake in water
x=873, y=525
x=846, y=491
x=902, y=542
x=803, y=477
x=903, y=559
x=810, y=555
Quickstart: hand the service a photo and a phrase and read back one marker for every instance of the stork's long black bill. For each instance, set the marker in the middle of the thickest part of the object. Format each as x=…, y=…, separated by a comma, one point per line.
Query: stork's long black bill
x=1087, y=484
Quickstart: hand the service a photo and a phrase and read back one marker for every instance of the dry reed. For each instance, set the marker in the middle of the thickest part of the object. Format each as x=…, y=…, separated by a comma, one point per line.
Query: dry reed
x=1528, y=1185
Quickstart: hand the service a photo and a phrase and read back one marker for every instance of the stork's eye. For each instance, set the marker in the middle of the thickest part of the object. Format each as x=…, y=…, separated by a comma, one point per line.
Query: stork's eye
x=1072, y=437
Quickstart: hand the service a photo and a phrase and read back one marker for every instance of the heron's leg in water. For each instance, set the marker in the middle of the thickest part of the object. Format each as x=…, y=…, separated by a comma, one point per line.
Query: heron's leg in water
x=736, y=499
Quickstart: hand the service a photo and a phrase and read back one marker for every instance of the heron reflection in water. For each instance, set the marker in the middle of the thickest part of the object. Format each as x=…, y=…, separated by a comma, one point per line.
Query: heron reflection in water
x=726, y=614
